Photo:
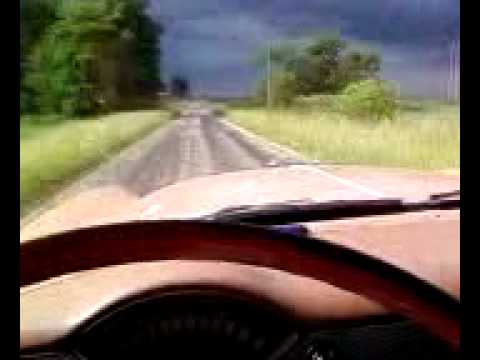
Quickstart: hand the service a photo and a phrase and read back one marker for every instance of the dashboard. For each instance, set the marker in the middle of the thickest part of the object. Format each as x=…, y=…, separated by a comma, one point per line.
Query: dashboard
x=218, y=324
x=260, y=320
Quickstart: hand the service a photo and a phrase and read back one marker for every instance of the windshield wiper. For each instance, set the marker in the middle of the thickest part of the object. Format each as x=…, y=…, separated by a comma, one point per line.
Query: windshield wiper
x=445, y=195
x=296, y=212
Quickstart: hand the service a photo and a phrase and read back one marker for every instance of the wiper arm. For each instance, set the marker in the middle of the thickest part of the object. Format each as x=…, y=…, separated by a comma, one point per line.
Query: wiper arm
x=445, y=195
x=295, y=212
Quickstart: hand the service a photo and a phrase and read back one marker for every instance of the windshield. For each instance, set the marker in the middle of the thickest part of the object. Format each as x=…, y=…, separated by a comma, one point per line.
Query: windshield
x=161, y=109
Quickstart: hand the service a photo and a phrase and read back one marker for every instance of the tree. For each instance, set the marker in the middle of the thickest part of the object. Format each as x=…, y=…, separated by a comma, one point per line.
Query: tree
x=358, y=66
x=95, y=54
x=35, y=17
x=317, y=66
x=146, y=48
x=65, y=60
x=324, y=66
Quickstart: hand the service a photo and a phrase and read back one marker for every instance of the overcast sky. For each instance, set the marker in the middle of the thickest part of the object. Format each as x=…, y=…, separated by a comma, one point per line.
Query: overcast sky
x=211, y=42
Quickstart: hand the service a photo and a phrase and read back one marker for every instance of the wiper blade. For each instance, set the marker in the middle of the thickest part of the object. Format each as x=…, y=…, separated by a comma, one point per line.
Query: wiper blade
x=295, y=212
x=445, y=195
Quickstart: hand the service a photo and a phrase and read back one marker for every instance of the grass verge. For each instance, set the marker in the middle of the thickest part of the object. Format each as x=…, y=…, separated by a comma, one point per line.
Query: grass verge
x=426, y=137
x=54, y=152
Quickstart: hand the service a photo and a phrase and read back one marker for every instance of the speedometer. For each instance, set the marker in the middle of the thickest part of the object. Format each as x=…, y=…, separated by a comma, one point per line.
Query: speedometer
x=189, y=326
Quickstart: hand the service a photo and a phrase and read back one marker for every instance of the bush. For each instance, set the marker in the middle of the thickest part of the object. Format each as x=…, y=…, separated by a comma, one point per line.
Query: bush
x=368, y=99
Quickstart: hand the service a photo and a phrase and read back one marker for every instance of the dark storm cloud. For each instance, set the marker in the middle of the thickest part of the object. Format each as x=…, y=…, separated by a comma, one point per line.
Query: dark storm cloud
x=212, y=41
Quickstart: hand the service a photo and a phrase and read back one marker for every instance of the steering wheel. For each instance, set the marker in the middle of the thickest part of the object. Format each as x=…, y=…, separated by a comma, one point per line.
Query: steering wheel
x=342, y=267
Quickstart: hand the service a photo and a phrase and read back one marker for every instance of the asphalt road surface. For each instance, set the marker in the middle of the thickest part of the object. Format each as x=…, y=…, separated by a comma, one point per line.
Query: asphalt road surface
x=196, y=144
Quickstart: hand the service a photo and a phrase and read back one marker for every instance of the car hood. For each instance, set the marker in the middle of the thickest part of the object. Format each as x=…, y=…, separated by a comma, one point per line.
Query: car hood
x=205, y=195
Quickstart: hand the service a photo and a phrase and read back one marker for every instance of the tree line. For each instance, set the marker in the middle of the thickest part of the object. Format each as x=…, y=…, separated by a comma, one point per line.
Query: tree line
x=85, y=57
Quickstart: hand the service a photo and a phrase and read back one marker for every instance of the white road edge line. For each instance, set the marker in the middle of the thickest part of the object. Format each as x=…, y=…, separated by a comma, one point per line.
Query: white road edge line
x=349, y=183
x=281, y=148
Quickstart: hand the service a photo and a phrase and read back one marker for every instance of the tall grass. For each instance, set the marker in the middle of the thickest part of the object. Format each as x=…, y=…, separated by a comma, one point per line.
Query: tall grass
x=427, y=137
x=53, y=152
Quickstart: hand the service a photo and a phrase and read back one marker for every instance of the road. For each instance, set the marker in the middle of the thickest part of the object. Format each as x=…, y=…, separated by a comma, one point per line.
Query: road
x=193, y=145
x=199, y=144
x=196, y=144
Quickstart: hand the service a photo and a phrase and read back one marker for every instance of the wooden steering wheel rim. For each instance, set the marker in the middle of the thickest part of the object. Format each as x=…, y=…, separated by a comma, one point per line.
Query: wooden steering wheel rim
x=117, y=244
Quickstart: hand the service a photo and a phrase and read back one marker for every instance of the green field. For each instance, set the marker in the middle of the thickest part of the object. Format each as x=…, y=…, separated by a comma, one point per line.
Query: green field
x=54, y=152
x=423, y=135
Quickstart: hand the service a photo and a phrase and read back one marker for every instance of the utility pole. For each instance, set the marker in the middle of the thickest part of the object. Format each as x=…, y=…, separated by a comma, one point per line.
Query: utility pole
x=456, y=85
x=450, y=72
x=453, y=72
x=269, y=76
